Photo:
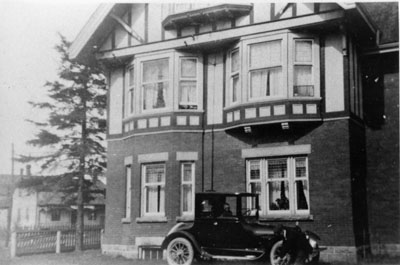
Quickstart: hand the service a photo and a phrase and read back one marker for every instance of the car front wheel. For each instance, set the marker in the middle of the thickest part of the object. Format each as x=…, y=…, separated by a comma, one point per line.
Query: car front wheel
x=180, y=252
x=274, y=256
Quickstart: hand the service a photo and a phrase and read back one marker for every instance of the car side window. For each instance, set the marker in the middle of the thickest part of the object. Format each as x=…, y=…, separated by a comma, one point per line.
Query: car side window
x=207, y=209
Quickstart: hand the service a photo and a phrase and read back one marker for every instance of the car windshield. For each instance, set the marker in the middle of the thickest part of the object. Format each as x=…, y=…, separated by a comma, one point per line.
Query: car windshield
x=249, y=207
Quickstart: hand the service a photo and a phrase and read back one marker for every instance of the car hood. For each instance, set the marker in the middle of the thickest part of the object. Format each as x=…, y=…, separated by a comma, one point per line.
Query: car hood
x=259, y=229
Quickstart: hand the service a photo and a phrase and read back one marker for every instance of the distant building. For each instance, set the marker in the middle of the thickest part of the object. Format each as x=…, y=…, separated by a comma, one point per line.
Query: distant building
x=297, y=102
x=44, y=208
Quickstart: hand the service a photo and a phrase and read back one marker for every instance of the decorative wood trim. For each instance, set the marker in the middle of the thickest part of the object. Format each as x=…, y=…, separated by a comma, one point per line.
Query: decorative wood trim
x=276, y=151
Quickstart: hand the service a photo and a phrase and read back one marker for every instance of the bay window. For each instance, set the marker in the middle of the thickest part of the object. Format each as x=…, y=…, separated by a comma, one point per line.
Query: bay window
x=234, y=76
x=303, y=63
x=265, y=69
x=282, y=184
x=130, y=91
x=187, y=188
x=155, y=84
x=153, y=189
x=188, y=83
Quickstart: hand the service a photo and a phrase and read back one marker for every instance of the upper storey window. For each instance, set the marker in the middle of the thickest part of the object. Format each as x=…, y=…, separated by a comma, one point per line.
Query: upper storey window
x=130, y=91
x=188, y=83
x=235, y=76
x=275, y=67
x=155, y=84
x=265, y=69
x=303, y=64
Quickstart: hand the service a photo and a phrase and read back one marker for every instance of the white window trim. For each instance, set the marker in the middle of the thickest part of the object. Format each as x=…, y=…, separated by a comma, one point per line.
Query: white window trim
x=180, y=78
x=169, y=97
x=192, y=183
x=128, y=161
x=231, y=75
x=143, y=188
x=130, y=91
x=264, y=198
x=315, y=65
x=284, y=64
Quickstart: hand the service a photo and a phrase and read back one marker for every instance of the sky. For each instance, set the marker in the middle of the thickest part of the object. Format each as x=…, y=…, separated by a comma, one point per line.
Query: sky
x=28, y=34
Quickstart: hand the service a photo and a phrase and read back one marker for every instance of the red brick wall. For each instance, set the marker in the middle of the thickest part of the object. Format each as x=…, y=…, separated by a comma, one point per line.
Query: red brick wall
x=329, y=166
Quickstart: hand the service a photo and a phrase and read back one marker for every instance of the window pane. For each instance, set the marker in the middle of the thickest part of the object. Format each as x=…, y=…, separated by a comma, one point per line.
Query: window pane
x=277, y=168
x=187, y=92
x=187, y=198
x=155, y=70
x=131, y=76
x=265, y=54
x=155, y=95
x=264, y=83
x=255, y=187
x=154, y=174
x=278, y=195
x=187, y=172
x=235, y=64
x=254, y=170
x=303, y=51
x=301, y=191
x=235, y=88
x=188, y=68
x=301, y=167
x=303, y=81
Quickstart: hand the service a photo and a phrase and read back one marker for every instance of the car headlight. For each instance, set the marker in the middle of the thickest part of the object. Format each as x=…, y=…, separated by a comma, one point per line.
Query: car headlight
x=312, y=242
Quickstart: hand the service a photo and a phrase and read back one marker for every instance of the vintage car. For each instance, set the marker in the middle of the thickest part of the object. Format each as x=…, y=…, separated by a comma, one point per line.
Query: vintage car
x=226, y=226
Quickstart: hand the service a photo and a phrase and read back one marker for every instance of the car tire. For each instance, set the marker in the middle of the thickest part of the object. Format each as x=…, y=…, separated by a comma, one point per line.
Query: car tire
x=274, y=254
x=180, y=252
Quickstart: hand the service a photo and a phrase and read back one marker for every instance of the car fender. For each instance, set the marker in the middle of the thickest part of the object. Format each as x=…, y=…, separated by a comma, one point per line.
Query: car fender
x=183, y=234
x=312, y=235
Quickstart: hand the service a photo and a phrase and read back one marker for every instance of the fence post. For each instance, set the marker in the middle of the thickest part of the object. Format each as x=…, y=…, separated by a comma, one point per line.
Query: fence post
x=13, y=244
x=58, y=242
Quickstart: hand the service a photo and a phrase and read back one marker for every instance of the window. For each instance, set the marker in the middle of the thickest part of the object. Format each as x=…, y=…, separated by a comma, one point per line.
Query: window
x=92, y=216
x=129, y=91
x=234, y=76
x=302, y=75
x=153, y=184
x=128, y=195
x=282, y=184
x=187, y=188
x=155, y=84
x=188, y=83
x=265, y=70
x=55, y=215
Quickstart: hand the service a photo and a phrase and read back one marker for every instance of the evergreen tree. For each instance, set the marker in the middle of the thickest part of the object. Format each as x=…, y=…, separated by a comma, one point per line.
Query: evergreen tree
x=73, y=134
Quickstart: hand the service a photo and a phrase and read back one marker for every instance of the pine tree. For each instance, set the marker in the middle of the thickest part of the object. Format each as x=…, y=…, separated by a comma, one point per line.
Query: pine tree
x=73, y=134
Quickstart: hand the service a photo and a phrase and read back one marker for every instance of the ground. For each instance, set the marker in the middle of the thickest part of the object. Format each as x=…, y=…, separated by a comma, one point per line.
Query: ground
x=91, y=257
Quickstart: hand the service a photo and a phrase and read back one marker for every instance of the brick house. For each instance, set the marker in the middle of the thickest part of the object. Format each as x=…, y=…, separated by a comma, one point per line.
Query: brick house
x=297, y=102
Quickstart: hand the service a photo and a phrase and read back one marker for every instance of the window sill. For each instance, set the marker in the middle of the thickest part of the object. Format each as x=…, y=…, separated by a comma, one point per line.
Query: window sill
x=126, y=220
x=287, y=218
x=151, y=219
x=185, y=218
x=158, y=113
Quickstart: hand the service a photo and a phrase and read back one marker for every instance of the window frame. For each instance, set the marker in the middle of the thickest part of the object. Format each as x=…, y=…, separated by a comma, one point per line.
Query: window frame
x=291, y=178
x=315, y=64
x=196, y=79
x=55, y=215
x=231, y=75
x=141, y=60
x=144, y=213
x=128, y=191
x=192, y=183
x=130, y=90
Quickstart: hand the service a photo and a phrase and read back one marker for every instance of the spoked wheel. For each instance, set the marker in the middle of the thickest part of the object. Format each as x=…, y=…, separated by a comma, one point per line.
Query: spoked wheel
x=274, y=257
x=180, y=252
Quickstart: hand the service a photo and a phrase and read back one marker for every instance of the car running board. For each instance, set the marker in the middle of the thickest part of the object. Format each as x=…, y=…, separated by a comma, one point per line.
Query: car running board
x=206, y=256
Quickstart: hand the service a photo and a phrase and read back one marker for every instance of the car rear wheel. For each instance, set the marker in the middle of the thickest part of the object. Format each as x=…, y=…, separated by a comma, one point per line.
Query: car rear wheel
x=180, y=252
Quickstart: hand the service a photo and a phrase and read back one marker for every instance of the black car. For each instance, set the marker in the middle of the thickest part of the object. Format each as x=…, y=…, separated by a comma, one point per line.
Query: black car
x=226, y=226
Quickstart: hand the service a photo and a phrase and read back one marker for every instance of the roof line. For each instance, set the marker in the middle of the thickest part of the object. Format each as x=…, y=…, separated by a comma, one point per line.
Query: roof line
x=90, y=27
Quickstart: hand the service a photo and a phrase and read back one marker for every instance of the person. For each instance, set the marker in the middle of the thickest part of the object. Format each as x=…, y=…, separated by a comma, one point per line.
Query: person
x=227, y=210
x=295, y=247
